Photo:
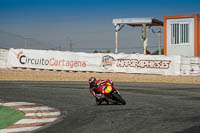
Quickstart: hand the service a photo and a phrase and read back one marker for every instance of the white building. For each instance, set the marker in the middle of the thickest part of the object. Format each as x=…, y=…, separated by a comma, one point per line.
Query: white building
x=182, y=35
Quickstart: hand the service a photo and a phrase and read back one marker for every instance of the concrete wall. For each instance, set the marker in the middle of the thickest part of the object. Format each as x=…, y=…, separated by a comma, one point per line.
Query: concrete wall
x=3, y=58
x=190, y=65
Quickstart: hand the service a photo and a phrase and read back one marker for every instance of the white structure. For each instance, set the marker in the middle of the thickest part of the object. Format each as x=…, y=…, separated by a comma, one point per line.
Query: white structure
x=143, y=22
x=182, y=35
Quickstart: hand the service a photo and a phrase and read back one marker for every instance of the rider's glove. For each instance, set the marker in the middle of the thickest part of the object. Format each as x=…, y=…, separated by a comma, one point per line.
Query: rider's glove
x=98, y=96
x=110, y=81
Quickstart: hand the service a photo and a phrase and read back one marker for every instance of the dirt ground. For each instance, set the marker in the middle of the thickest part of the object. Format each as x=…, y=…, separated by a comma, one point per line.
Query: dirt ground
x=47, y=75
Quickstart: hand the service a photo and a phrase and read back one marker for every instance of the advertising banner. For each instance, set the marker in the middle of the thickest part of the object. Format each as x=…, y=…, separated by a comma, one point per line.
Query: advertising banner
x=78, y=61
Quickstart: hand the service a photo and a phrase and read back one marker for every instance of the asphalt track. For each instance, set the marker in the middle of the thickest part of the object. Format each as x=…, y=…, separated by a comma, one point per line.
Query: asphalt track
x=151, y=107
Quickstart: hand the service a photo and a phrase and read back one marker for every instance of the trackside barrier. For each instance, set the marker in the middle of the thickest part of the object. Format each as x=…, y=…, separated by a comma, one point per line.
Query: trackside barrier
x=98, y=62
x=190, y=65
x=3, y=58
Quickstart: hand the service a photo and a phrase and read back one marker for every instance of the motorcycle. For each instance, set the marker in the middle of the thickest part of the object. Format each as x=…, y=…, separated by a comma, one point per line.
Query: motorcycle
x=110, y=94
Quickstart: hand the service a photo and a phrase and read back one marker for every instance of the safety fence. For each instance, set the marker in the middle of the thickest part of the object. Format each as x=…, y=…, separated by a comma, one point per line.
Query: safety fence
x=99, y=62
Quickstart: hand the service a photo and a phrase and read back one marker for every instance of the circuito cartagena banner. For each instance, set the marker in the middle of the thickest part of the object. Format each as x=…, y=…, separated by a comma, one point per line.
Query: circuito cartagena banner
x=79, y=61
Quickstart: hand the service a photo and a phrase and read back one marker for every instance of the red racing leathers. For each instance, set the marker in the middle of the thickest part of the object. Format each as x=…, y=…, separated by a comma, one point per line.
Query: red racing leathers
x=94, y=89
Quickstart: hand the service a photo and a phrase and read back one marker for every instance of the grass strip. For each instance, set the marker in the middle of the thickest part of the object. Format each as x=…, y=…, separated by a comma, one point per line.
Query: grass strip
x=9, y=116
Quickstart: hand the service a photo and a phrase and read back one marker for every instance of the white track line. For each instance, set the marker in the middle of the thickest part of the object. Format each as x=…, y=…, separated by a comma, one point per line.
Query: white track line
x=36, y=108
x=16, y=103
x=26, y=121
x=42, y=114
x=24, y=129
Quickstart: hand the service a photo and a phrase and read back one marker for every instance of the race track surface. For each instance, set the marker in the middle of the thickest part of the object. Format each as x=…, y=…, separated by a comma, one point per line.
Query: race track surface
x=151, y=107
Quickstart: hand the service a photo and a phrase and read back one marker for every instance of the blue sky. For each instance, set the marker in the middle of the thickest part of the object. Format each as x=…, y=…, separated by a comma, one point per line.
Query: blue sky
x=88, y=23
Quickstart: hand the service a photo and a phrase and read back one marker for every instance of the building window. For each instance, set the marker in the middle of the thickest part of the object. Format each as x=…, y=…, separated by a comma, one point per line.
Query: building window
x=180, y=33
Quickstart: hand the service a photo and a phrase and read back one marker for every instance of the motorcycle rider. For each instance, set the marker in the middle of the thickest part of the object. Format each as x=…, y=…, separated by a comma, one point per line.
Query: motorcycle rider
x=94, y=85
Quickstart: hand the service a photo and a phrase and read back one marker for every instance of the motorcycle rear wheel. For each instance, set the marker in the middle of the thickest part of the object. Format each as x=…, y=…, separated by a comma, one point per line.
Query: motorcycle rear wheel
x=118, y=98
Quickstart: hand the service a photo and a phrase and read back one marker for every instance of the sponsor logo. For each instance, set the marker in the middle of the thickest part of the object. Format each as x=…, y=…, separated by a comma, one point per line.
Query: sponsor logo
x=107, y=61
x=135, y=63
x=25, y=60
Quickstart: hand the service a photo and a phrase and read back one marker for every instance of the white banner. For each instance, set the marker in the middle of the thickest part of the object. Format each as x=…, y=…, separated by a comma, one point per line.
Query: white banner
x=77, y=61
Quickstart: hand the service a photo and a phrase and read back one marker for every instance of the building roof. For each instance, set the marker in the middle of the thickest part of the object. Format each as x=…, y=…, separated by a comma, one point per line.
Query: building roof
x=138, y=21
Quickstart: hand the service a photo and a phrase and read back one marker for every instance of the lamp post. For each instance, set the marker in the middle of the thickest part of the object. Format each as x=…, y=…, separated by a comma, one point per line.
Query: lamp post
x=159, y=44
x=69, y=43
x=25, y=41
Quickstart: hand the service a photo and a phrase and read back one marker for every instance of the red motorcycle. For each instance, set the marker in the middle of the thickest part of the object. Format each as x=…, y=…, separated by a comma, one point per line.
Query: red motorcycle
x=110, y=94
